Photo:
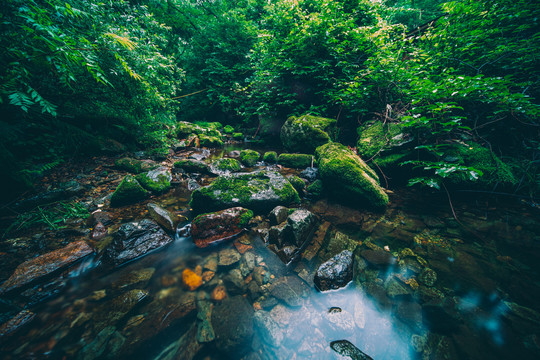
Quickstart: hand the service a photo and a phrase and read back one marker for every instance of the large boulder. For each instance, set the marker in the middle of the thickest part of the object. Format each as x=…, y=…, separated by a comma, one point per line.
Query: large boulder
x=40, y=267
x=349, y=178
x=305, y=133
x=157, y=181
x=336, y=272
x=261, y=191
x=133, y=240
x=209, y=228
x=129, y=191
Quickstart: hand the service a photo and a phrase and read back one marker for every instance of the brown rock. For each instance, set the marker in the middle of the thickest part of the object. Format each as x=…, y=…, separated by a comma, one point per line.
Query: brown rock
x=378, y=257
x=220, y=225
x=46, y=264
x=99, y=232
x=16, y=322
x=219, y=293
x=191, y=280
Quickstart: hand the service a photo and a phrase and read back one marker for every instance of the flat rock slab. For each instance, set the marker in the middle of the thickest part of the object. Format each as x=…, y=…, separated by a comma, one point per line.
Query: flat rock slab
x=15, y=323
x=46, y=264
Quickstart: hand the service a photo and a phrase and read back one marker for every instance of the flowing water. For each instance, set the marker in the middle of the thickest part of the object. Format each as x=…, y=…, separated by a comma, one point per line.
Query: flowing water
x=465, y=289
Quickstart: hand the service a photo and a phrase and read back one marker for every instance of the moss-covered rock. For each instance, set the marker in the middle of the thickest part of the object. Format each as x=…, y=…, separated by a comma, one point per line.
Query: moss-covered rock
x=135, y=166
x=270, y=157
x=316, y=188
x=305, y=133
x=494, y=170
x=192, y=165
x=184, y=129
x=210, y=228
x=297, y=161
x=210, y=141
x=347, y=177
x=157, y=181
x=374, y=138
x=238, y=136
x=129, y=191
x=297, y=183
x=226, y=164
x=249, y=157
x=261, y=191
x=228, y=129
x=209, y=125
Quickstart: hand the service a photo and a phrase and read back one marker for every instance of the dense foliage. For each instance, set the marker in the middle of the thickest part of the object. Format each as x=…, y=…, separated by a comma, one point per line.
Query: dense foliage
x=449, y=73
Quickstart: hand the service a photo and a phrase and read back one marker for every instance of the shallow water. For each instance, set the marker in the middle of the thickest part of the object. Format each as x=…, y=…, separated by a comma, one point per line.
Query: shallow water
x=482, y=305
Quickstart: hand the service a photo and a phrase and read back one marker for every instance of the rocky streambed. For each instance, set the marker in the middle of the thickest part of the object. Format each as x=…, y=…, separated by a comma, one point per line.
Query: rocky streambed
x=262, y=264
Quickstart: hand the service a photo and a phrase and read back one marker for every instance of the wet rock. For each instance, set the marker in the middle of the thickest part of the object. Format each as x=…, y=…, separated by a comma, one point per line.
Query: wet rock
x=276, y=234
x=336, y=272
x=428, y=277
x=64, y=191
x=310, y=174
x=288, y=253
x=249, y=157
x=410, y=313
x=219, y=293
x=205, y=332
x=98, y=346
x=211, y=263
x=227, y=257
x=191, y=280
x=336, y=243
x=38, y=268
x=162, y=217
x=378, y=293
x=232, y=320
x=138, y=277
x=378, y=257
x=235, y=282
x=225, y=165
x=254, y=290
x=186, y=348
x=192, y=165
x=209, y=228
x=278, y=215
x=348, y=177
x=290, y=290
x=395, y=288
x=16, y=323
x=135, y=166
x=346, y=348
x=261, y=191
x=133, y=240
x=113, y=310
x=428, y=294
x=99, y=216
x=129, y=191
x=418, y=343
x=192, y=184
x=306, y=132
x=268, y=329
x=156, y=181
x=98, y=232
x=300, y=226
x=297, y=161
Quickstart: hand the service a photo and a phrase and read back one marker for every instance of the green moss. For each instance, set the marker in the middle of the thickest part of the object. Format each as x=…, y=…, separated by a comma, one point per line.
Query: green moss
x=184, y=129
x=227, y=164
x=157, y=184
x=192, y=165
x=390, y=161
x=246, y=216
x=375, y=137
x=297, y=161
x=306, y=132
x=134, y=166
x=316, y=188
x=258, y=191
x=297, y=183
x=129, y=191
x=249, y=157
x=209, y=125
x=228, y=129
x=210, y=141
x=349, y=178
x=494, y=171
x=270, y=157
x=238, y=136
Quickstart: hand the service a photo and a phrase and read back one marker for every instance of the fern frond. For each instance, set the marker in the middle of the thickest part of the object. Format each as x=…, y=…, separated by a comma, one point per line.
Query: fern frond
x=122, y=40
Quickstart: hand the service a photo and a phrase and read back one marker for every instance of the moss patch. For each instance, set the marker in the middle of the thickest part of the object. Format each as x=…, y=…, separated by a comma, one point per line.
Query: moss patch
x=227, y=164
x=135, y=166
x=228, y=129
x=129, y=191
x=305, y=133
x=297, y=183
x=211, y=141
x=192, y=165
x=372, y=138
x=347, y=177
x=297, y=161
x=316, y=188
x=238, y=136
x=157, y=181
x=249, y=157
x=270, y=157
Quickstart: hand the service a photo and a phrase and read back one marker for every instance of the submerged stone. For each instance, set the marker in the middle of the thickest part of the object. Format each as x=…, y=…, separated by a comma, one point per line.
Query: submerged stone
x=349, y=178
x=346, y=348
x=232, y=321
x=268, y=328
x=306, y=132
x=261, y=190
x=133, y=240
x=46, y=264
x=162, y=217
x=209, y=228
x=336, y=272
x=129, y=191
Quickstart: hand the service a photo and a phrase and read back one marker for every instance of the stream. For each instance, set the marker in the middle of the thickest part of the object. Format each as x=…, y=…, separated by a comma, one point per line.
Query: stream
x=425, y=286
